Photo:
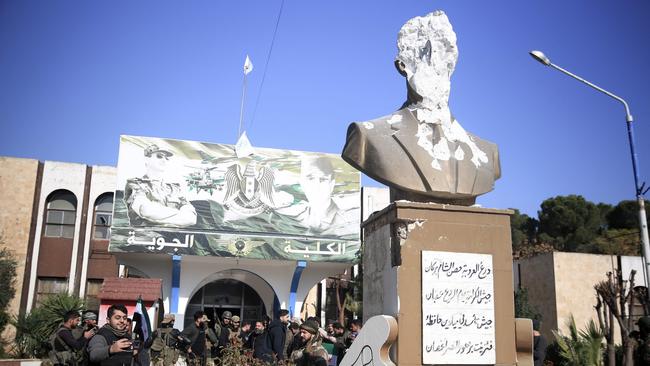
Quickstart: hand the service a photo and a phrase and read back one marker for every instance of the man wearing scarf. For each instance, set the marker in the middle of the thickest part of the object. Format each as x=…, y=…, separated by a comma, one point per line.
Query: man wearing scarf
x=313, y=353
x=111, y=346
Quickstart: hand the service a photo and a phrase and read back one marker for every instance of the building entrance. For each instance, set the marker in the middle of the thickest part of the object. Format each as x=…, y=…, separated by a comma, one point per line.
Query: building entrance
x=226, y=294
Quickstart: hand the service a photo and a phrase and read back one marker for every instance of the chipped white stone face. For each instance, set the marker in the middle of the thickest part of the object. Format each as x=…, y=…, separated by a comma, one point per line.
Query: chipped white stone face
x=368, y=125
x=427, y=49
x=394, y=119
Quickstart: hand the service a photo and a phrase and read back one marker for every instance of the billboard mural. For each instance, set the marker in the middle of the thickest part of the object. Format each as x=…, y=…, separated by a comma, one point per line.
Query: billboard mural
x=188, y=197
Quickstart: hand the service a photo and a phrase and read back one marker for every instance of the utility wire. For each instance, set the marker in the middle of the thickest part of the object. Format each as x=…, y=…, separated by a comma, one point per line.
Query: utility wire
x=266, y=65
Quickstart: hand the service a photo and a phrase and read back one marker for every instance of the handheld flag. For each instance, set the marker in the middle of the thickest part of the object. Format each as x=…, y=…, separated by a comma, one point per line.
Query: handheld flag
x=143, y=325
x=248, y=66
x=160, y=311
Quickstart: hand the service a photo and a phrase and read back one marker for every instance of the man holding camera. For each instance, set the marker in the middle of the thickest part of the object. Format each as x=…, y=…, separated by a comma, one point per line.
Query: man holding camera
x=112, y=346
x=67, y=343
x=88, y=326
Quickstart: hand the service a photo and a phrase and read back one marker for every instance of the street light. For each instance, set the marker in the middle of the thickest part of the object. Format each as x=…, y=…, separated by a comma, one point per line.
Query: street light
x=639, y=189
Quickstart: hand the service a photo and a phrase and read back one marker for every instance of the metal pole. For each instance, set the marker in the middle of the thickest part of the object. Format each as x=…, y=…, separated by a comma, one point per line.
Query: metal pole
x=241, y=108
x=643, y=223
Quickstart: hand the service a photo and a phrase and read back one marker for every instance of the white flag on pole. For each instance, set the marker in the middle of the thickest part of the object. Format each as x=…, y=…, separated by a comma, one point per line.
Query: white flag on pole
x=243, y=147
x=248, y=66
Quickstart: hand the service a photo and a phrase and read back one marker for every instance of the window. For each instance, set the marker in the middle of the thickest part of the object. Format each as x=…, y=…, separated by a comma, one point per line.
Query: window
x=103, y=217
x=92, y=290
x=50, y=286
x=61, y=214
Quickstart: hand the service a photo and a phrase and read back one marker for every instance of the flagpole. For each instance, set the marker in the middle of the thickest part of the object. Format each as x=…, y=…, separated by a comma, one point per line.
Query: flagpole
x=241, y=109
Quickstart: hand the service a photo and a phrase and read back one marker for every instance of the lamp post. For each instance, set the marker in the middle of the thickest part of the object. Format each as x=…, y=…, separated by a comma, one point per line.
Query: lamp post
x=639, y=188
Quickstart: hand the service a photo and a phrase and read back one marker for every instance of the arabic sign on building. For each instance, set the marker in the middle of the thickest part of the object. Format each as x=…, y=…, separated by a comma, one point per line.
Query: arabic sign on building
x=457, y=309
x=188, y=197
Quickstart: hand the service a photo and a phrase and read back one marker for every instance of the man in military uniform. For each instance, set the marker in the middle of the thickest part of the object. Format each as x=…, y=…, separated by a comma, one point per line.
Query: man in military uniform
x=233, y=337
x=88, y=324
x=152, y=201
x=313, y=353
x=66, y=346
x=164, y=350
x=224, y=334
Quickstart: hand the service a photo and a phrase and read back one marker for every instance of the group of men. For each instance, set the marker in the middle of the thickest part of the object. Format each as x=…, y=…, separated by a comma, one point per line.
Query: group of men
x=114, y=344
x=200, y=343
x=270, y=341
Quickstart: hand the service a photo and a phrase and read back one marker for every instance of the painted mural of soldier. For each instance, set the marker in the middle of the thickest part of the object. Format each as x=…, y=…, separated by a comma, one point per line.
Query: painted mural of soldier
x=153, y=201
x=321, y=214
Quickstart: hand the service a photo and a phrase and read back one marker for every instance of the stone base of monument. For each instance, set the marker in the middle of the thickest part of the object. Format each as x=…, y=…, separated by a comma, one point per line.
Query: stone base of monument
x=445, y=273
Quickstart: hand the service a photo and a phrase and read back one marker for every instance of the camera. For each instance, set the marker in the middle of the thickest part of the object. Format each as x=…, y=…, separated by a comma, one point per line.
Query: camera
x=135, y=344
x=180, y=342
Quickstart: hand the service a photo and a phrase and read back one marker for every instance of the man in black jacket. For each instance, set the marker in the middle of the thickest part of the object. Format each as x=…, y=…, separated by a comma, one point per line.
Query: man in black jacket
x=269, y=346
x=539, y=345
x=196, y=333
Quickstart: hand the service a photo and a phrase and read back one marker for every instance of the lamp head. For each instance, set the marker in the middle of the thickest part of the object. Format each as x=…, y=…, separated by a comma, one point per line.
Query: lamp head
x=541, y=57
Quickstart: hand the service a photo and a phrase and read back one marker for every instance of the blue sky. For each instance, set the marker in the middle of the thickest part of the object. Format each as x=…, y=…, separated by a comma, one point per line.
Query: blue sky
x=74, y=75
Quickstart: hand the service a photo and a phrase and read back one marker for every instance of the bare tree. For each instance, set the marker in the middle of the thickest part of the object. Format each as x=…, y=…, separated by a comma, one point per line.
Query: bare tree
x=618, y=297
x=606, y=322
x=341, y=300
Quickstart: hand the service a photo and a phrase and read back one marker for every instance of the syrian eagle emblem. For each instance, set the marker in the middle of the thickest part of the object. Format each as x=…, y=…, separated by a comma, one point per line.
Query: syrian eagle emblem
x=251, y=192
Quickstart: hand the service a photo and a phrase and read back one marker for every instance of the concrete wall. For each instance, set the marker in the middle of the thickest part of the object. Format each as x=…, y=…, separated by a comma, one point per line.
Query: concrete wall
x=380, y=295
x=17, y=188
x=373, y=199
x=537, y=275
x=575, y=277
x=562, y=284
x=629, y=263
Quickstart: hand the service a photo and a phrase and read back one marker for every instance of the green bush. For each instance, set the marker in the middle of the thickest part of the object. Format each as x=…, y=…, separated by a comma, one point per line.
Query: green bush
x=34, y=329
x=53, y=310
x=8, y=266
x=580, y=348
x=29, y=342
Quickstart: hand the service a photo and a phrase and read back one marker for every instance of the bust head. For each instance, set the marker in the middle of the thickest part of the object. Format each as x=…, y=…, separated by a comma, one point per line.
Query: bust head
x=427, y=56
x=422, y=152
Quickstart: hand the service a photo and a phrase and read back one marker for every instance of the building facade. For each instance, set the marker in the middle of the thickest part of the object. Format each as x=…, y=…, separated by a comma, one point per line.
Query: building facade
x=56, y=219
x=561, y=285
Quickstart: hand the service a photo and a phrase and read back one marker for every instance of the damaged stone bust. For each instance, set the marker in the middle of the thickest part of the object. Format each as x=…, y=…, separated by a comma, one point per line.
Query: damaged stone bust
x=421, y=151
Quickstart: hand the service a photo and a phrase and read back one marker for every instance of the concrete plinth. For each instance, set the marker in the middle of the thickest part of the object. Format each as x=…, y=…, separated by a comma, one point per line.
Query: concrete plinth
x=394, y=239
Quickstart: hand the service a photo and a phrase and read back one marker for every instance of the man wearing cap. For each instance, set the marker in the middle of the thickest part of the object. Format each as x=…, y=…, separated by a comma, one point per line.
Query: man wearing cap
x=224, y=335
x=153, y=201
x=313, y=353
x=211, y=343
x=164, y=351
x=88, y=324
x=233, y=337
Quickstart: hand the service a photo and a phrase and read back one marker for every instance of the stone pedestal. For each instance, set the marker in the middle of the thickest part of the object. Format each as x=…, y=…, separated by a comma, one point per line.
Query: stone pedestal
x=393, y=241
